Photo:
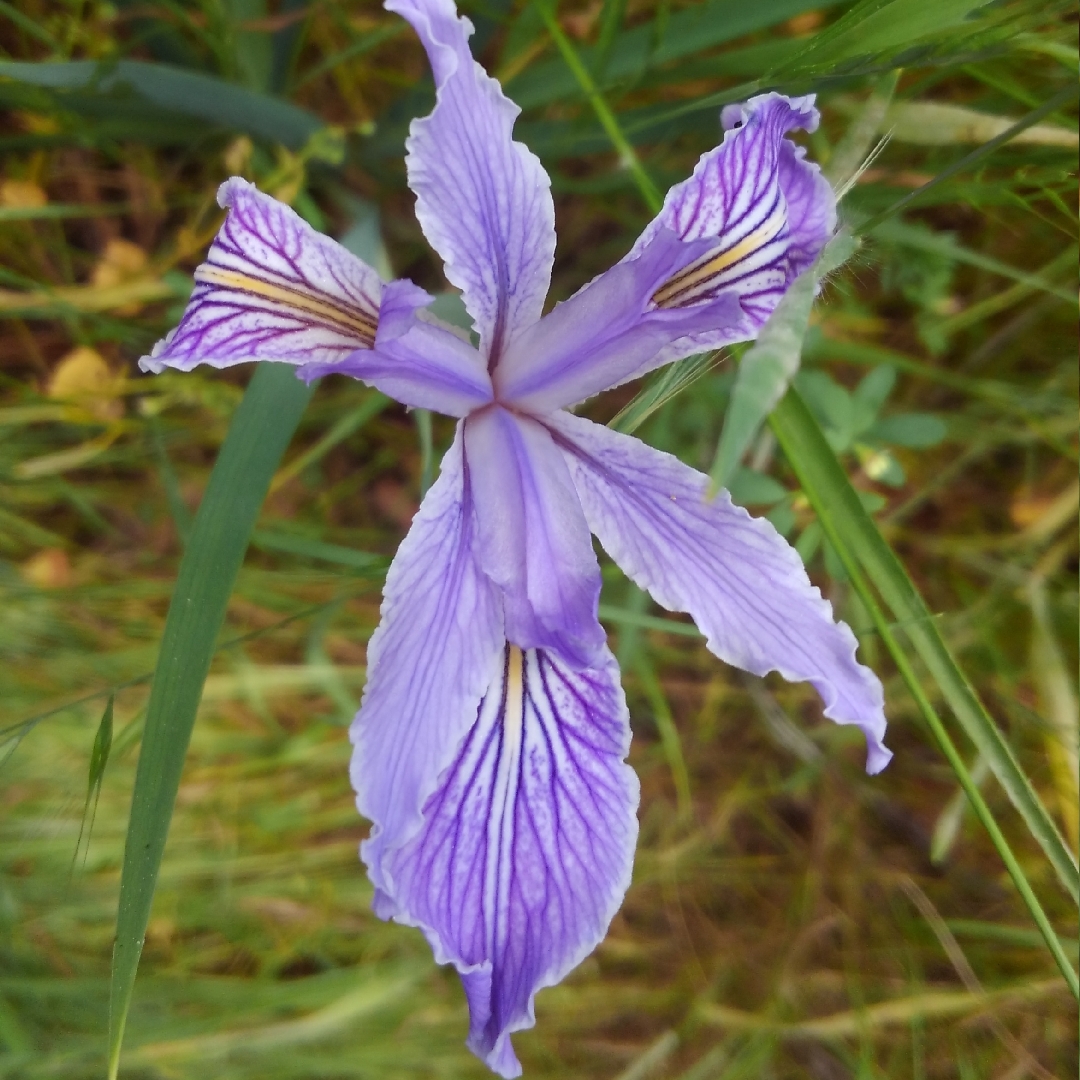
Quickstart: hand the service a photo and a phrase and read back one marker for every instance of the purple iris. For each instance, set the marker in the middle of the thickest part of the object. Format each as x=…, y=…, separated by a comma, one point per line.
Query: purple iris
x=490, y=744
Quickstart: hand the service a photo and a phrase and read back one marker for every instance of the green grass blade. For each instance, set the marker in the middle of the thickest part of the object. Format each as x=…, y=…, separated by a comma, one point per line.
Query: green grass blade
x=827, y=487
x=841, y=511
x=260, y=431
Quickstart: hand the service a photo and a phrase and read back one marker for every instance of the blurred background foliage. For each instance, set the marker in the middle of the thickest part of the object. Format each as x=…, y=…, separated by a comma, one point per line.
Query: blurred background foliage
x=789, y=916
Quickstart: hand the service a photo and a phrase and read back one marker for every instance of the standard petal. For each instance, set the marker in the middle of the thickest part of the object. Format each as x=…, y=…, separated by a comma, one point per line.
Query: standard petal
x=532, y=539
x=415, y=361
x=483, y=200
x=742, y=583
x=527, y=845
x=608, y=332
x=272, y=288
x=436, y=651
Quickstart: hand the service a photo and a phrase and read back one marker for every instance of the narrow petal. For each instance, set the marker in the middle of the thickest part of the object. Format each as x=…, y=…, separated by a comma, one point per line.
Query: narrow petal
x=436, y=651
x=767, y=211
x=742, y=583
x=415, y=361
x=483, y=200
x=272, y=288
x=532, y=539
x=527, y=845
x=707, y=272
x=608, y=332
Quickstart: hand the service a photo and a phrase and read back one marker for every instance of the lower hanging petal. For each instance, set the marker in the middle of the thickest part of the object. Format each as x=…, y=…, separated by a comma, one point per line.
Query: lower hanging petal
x=527, y=845
x=436, y=650
x=742, y=583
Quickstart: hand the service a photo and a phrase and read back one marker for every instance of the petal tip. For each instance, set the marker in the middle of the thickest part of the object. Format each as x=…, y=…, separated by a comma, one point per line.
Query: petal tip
x=878, y=755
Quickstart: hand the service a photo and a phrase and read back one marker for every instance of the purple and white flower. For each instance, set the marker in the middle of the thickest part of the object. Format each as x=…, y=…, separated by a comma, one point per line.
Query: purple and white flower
x=490, y=745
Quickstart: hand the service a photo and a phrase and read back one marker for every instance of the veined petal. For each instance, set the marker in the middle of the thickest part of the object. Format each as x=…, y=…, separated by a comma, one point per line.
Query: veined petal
x=527, y=845
x=608, y=332
x=435, y=653
x=742, y=583
x=483, y=200
x=415, y=361
x=272, y=288
x=767, y=212
x=532, y=540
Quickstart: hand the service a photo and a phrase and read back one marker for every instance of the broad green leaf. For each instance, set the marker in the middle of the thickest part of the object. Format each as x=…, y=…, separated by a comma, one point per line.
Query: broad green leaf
x=174, y=90
x=260, y=431
x=769, y=365
x=914, y=429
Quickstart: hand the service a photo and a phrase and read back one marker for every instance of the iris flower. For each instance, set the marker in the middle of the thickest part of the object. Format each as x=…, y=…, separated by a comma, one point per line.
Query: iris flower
x=490, y=744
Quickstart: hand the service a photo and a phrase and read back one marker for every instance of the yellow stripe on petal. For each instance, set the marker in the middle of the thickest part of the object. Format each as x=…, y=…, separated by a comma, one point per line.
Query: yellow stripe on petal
x=706, y=270
x=294, y=301
x=515, y=697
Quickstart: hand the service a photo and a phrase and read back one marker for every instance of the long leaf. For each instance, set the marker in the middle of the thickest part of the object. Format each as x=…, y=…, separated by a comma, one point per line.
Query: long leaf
x=831, y=494
x=174, y=90
x=827, y=486
x=260, y=431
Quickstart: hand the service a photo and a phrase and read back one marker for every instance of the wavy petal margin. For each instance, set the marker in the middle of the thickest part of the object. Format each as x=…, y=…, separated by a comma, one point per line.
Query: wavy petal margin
x=528, y=844
x=740, y=581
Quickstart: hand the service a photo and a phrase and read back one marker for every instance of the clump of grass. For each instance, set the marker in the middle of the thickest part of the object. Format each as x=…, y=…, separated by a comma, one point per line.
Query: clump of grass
x=789, y=917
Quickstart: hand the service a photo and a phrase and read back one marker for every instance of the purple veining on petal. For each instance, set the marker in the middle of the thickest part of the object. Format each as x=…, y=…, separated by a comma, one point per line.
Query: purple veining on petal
x=767, y=211
x=532, y=540
x=415, y=359
x=527, y=845
x=437, y=648
x=483, y=200
x=742, y=583
x=608, y=332
x=272, y=288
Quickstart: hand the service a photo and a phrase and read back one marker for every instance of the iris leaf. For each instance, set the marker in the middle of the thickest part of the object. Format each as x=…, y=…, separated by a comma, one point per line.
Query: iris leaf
x=258, y=436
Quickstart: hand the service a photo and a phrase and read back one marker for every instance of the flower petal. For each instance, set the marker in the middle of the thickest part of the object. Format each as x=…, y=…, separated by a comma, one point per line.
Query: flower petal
x=742, y=583
x=706, y=272
x=483, y=200
x=532, y=540
x=767, y=211
x=436, y=650
x=272, y=288
x=415, y=361
x=608, y=332
x=528, y=843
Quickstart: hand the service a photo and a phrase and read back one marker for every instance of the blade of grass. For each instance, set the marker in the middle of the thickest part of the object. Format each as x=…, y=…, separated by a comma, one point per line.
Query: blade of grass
x=837, y=506
x=260, y=431
x=826, y=483
x=99, y=758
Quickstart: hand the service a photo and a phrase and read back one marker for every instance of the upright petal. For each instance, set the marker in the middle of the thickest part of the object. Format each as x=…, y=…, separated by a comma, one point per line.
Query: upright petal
x=415, y=361
x=483, y=200
x=272, y=288
x=527, y=845
x=435, y=653
x=744, y=586
x=532, y=540
x=608, y=332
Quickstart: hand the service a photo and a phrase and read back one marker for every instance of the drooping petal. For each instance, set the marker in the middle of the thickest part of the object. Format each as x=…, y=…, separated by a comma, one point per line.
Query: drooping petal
x=483, y=200
x=527, y=845
x=742, y=583
x=608, y=332
x=415, y=361
x=272, y=288
x=532, y=539
x=433, y=656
